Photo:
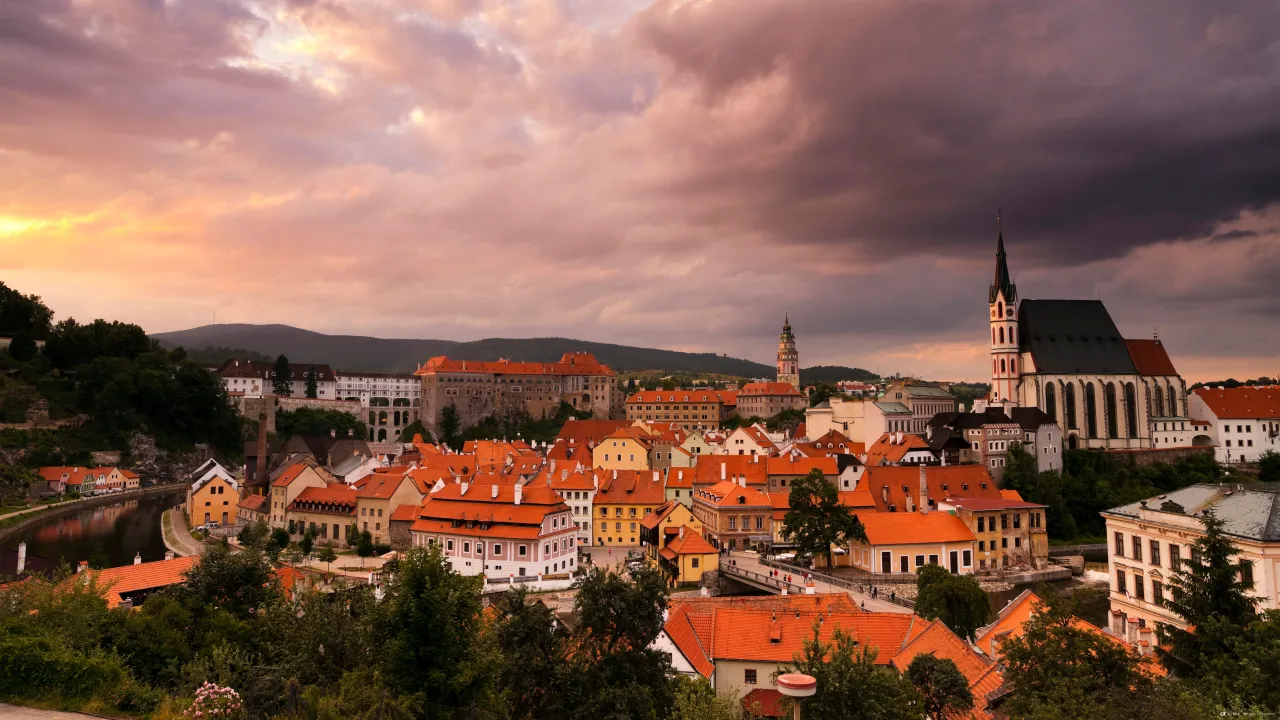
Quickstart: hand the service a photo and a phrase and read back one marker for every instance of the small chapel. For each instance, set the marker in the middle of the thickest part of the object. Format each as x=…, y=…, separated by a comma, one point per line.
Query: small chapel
x=1067, y=358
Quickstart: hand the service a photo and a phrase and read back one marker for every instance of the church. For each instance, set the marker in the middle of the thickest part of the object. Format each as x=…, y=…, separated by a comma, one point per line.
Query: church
x=1067, y=358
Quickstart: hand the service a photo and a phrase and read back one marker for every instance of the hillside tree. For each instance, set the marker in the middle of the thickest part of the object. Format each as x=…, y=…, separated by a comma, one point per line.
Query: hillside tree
x=957, y=600
x=817, y=519
x=943, y=689
x=851, y=685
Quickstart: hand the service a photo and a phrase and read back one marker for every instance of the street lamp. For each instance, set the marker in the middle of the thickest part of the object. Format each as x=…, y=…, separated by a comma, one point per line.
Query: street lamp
x=797, y=685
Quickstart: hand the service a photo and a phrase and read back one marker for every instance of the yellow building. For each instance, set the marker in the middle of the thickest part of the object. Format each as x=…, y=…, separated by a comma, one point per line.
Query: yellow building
x=379, y=496
x=623, y=499
x=213, y=499
x=687, y=556
x=625, y=449
x=290, y=483
x=660, y=527
x=327, y=511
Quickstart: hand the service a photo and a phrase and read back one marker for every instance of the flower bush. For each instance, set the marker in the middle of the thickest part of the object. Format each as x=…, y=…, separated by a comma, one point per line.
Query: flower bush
x=215, y=702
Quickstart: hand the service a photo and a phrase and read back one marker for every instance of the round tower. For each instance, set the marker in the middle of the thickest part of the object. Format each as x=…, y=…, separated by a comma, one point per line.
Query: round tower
x=788, y=358
x=1003, y=301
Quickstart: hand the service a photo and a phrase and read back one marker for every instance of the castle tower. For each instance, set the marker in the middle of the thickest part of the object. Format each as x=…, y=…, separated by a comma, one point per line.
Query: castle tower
x=1003, y=301
x=788, y=358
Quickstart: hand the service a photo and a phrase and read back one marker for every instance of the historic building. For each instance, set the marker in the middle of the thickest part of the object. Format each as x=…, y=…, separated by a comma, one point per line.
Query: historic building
x=788, y=357
x=1067, y=358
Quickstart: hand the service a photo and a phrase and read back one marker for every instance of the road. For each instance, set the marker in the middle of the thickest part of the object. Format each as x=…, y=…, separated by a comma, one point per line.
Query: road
x=180, y=540
x=13, y=712
x=749, y=562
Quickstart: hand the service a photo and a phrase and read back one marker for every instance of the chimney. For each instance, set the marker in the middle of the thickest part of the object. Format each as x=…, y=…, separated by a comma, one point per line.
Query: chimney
x=495, y=491
x=755, y=458
x=519, y=493
x=137, y=559
x=681, y=532
x=655, y=476
x=168, y=555
x=924, y=493
x=722, y=472
x=84, y=565
x=22, y=557
x=260, y=473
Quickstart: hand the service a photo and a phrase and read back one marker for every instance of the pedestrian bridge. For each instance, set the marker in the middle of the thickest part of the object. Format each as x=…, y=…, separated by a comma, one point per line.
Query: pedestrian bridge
x=754, y=572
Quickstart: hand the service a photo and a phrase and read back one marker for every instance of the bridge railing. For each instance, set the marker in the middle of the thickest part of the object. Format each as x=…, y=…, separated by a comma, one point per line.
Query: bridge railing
x=862, y=584
x=727, y=567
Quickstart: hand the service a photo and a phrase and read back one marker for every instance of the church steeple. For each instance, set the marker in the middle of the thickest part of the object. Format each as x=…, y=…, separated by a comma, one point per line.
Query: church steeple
x=1002, y=280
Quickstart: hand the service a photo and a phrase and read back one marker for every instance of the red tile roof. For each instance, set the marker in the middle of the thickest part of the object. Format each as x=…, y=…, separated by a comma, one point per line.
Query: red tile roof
x=380, y=486
x=961, y=481
x=1245, y=402
x=902, y=528
x=985, y=504
x=938, y=640
x=800, y=466
x=762, y=636
x=571, y=364
x=711, y=469
x=691, y=543
x=675, y=396
x=764, y=702
x=332, y=499
x=731, y=494
x=660, y=513
x=492, y=505
x=885, y=450
x=680, y=478
x=1010, y=494
x=629, y=487
x=253, y=502
x=768, y=388
x=290, y=474
x=581, y=433
x=1150, y=358
x=405, y=513
x=119, y=581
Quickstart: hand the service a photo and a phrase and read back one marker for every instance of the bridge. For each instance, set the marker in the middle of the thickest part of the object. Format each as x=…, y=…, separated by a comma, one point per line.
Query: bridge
x=773, y=577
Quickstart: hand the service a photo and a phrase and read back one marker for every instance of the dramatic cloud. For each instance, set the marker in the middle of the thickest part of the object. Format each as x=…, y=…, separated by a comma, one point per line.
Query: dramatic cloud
x=672, y=173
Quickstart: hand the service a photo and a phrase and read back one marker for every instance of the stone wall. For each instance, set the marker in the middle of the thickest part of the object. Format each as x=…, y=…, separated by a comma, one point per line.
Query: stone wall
x=399, y=535
x=1160, y=455
x=251, y=407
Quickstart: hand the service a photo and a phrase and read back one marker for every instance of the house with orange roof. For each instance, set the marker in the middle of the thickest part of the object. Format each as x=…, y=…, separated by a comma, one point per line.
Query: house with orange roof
x=734, y=515
x=855, y=500
x=899, y=489
x=624, y=449
x=687, y=556
x=577, y=437
x=623, y=498
x=327, y=511
x=1009, y=532
x=1243, y=422
x=695, y=443
x=766, y=399
x=213, y=498
x=289, y=482
x=782, y=472
x=696, y=409
x=981, y=673
x=749, y=440
x=661, y=525
x=129, y=585
x=252, y=508
x=679, y=484
x=576, y=485
x=901, y=449
x=903, y=542
x=500, y=531
x=380, y=495
x=749, y=469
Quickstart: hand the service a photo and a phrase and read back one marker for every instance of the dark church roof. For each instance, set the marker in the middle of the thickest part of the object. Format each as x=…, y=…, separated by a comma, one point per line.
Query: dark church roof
x=1072, y=336
x=1002, y=281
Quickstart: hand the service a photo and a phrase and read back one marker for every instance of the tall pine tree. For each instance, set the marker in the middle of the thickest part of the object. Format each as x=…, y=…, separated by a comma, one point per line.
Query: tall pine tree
x=311, y=381
x=282, y=378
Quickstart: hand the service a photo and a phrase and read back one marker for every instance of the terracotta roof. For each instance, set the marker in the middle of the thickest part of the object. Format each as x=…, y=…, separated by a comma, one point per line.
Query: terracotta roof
x=675, y=396
x=119, y=581
x=568, y=475
x=680, y=478
x=660, y=513
x=585, y=432
x=961, y=481
x=1150, y=358
x=332, y=499
x=691, y=543
x=801, y=431
x=380, y=486
x=857, y=499
x=938, y=640
x=253, y=502
x=901, y=528
x=763, y=702
x=573, y=363
x=289, y=577
x=728, y=397
x=984, y=504
x=492, y=505
x=405, y=513
x=885, y=450
x=446, y=527
x=1245, y=402
x=629, y=487
x=679, y=627
x=731, y=494
x=768, y=388
x=984, y=686
x=129, y=474
x=1011, y=494
x=290, y=474
x=764, y=636
x=711, y=469
x=800, y=466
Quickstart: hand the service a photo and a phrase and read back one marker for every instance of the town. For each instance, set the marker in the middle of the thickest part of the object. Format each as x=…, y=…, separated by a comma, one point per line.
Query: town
x=502, y=516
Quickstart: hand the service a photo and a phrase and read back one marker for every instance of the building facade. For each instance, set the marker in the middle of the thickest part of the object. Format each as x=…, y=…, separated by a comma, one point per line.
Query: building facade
x=257, y=379
x=623, y=498
x=1241, y=422
x=788, y=357
x=688, y=409
x=734, y=516
x=924, y=401
x=390, y=401
x=766, y=399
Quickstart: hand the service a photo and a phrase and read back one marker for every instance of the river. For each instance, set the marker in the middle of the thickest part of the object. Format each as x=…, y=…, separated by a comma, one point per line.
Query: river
x=115, y=532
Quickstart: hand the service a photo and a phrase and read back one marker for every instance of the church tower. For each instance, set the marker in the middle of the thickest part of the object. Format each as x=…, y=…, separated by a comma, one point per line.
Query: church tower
x=788, y=358
x=1003, y=301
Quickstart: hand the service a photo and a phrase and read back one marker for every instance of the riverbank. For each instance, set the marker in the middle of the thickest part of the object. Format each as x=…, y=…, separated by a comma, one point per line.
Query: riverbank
x=179, y=540
x=15, y=522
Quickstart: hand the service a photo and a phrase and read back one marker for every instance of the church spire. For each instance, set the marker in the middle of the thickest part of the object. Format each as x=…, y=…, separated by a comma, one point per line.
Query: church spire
x=1002, y=281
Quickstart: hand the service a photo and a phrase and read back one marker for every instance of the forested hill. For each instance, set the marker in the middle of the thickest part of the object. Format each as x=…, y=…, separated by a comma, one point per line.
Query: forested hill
x=355, y=352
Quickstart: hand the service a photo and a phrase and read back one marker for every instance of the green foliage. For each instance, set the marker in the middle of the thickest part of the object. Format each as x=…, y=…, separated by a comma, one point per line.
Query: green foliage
x=415, y=428
x=310, y=422
x=957, y=600
x=364, y=545
x=512, y=425
x=15, y=483
x=695, y=699
x=1056, y=662
x=311, y=385
x=530, y=647
x=1234, y=383
x=1092, y=481
x=23, y=347
x=821, y=392
x=835, y=373
x=943, y=689
x=71, y=344
x=787, y=420
x=23, y=314
x=281, y=381
x=817, y=520
x=450, y=424
x=966, y=393
x=16, y=399
x=326, y=554
x=216, y=354
x=1269, y=466
x=239, y=583
x=850, y=685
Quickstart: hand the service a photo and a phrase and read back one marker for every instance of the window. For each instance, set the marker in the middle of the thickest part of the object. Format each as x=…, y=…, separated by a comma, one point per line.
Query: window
x=1175, y=557
x=1120, y=584
x=497, y=548
x=1004, y=542
x=1119, y=544
x=466, y=547
x=919, y=561
x=1139, y=587
x=693, y=562
x=733, y=523
x=1246, y=573
x=982, y=524
x=749, y=676
x=1017, y=521
x=1155, y=552
x=1137, y=548
x=448, y=545
x=982, y=546
x=968, y=558
x=1157, y=592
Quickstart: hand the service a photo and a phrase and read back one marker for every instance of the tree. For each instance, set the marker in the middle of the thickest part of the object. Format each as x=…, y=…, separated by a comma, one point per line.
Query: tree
x=279, y=540
x=850, y=685
x=817, y=519
x=957, y=600
x=943, y=688
x=311, y=381
x=1057, y=662
x=291, y=555
x=308, y=541
x=15, y=483
x=23, y=314
x=238, y=582
x=327, y=555
x=530, y=646
x=1269, y=466
x=449, y=424
x=364, y=547
x=1209, y=591
x=282, y=378
x=631, y=385
x=426, y=628
x=23, y=346
x=695, y=699
x=821, y=392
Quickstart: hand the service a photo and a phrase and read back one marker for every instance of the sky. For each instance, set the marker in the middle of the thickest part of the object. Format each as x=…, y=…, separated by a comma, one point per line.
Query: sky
x=674, y=174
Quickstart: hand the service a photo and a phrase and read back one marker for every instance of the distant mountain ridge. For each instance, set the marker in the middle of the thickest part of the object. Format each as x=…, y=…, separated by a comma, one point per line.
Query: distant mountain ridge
x=370, y=354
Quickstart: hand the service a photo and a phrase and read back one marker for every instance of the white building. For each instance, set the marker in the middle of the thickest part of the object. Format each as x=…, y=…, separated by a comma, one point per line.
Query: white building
x=257, y=379
x=390, y=401
x=1242, y=422
x=1149, y=539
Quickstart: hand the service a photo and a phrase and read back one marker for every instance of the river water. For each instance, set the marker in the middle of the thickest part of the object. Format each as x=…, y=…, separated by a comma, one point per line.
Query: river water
x=116, y=532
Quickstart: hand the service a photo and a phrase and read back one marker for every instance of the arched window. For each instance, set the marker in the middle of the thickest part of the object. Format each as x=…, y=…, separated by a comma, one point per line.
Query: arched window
x=1000, y=309
x=1090, y=411
x=1173, y=403
x=1113, y=421
x=382, y=435
x=1001, y=334
x=1051, y=401
x=1159, y=401
x=1069, y=404
x=1002, y=365
x=397, y=417
x=1013, y=365
x=993, y=367
x=382, y=417
x=1131, y=410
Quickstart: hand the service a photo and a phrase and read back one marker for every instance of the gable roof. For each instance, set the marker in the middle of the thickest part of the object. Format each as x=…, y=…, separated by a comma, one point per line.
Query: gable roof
x=776, y=637
x=800, y=466
x=571, y=364
x=1150, y=357
x=731, y=494
x=690, y=543
x=380, y=486
x=768, y=388
x=252, y=503
x=1072, y=336
x=938, y=640
x=1246, y=402
x=117, y=582
x=891, y=485
x=629, y=487
x=886, y=450
x=903, y=528
x=711, y=469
